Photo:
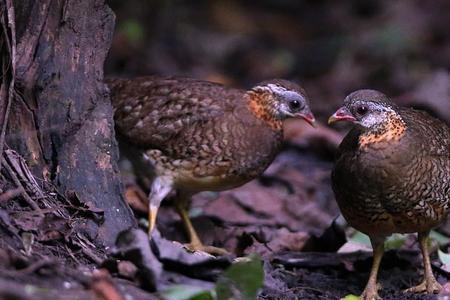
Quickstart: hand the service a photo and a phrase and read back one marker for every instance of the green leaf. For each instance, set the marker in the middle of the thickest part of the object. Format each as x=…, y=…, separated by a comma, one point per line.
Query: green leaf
x=395, y=241
x=351, y=297
x=186, y=292
x=360, y=238
x=242, y=280
x=195, y=212
x=206, y=295
x=133, y=30
x=444, y=257
x=441, y=239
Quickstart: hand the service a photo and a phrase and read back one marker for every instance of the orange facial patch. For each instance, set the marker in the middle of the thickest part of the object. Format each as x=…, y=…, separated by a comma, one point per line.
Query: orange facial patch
x=263, y=107
x=393, y=131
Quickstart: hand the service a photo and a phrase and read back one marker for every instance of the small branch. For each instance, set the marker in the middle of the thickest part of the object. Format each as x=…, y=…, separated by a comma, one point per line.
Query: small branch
x=86, y=249
x=34, y=267
x=19, y=185
x=10, y=194
x=92, y=256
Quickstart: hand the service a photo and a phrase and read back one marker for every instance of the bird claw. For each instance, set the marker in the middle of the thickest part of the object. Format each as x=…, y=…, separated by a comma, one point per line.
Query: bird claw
x=371, y=292
x=194, y=247
x=427, y=285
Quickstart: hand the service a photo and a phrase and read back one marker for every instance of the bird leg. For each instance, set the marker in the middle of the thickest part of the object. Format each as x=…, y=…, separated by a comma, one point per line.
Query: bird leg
x=371, y=290
x=161, y=187
x=195, y=243
x=429, y=283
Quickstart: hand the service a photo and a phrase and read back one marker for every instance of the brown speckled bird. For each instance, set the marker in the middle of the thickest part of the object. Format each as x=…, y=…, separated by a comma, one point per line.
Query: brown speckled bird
x=201, y=136
x=392, y=175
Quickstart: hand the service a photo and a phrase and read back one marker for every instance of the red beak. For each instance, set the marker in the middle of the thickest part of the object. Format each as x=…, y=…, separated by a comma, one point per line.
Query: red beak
x=308, y=116
x=342, y=114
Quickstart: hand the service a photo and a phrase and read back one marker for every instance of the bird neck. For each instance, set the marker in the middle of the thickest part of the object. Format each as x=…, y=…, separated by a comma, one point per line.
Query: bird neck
x=264, y=107
x=387, y=132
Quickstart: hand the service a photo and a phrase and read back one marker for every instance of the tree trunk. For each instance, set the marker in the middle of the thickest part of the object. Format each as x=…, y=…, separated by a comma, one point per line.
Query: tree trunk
x=61, y=116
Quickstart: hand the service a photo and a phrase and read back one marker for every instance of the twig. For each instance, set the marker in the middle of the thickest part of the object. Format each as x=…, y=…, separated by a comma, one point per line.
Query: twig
x=86, y=250
x=37, y=266
x=30, y=269
x=70, y=252
x=19, y=185
x=97, y=260
x=9, y=194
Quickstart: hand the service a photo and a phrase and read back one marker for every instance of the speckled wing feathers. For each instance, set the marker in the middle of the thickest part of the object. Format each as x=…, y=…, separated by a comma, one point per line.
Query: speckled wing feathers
x=430, y=133
x=152, y=110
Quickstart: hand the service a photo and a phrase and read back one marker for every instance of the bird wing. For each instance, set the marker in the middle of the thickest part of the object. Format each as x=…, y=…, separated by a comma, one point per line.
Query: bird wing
x=150, y=111
x=429, y=134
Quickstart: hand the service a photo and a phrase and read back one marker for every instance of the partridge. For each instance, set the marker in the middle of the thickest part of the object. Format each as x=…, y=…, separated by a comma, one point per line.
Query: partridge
x=392, y=176
x=198, y=136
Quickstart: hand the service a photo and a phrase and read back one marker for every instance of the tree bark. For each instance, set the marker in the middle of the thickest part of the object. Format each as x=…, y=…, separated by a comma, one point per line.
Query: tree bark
x=61, y=117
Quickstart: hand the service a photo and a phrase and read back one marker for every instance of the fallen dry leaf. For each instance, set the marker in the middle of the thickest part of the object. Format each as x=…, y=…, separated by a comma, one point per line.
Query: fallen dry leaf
x=136, y=198
x=103, y=286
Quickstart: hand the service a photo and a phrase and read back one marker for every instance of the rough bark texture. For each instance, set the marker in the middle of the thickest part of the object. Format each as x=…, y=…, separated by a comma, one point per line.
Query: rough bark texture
x=61, y=117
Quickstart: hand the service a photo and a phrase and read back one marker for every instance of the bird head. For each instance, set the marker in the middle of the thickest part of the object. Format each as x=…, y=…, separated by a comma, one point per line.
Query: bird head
x=368, y=108
x=283, y=99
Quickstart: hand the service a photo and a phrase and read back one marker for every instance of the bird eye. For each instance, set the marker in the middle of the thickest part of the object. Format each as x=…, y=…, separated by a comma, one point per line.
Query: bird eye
x=362, y=110
x=294, y=104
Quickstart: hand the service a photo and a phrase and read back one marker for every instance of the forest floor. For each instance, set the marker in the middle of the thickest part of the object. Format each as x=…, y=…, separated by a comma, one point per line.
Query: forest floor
x=306, y=252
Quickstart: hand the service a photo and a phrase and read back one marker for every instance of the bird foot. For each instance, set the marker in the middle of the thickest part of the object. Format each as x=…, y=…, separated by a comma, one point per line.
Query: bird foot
x=371, y=292
x=194, y=247
x=429, y=285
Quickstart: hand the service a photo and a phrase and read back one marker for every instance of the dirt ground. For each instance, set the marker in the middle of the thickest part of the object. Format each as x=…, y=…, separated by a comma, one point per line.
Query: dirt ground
x=295, y=236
